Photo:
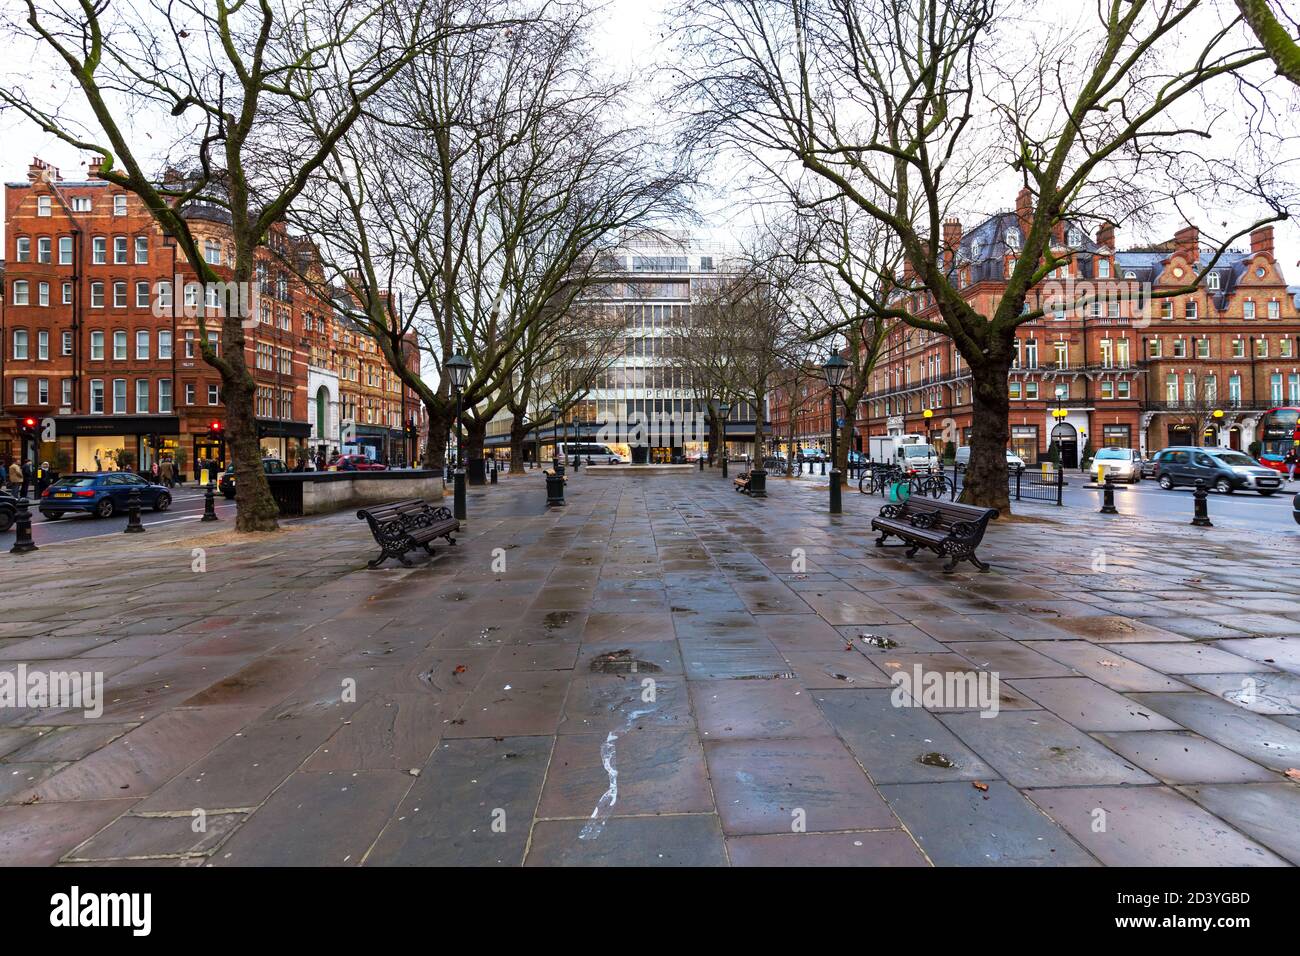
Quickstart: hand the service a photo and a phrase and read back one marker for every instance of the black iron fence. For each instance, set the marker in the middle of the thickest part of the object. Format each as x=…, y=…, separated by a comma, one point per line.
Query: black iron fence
x=1041, y=483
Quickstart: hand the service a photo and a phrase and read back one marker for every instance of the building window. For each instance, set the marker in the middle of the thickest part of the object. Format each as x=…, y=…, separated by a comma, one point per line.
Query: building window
x=1103, y=268
x=142, y=396
x=1180, y=348
x=164, y=296
x=21, y=292
x=189, y=393
x=65, y=343
x=1031, y=391
x=1013, y=390
x=67, y=293
x=1238, y=348
x=42, y=205
x=189, y=343
x=97, y=346
x=43, y=250
x=1123, y=388
x=1189, y=309
x=1107, y=389
x=164, y=396
x=142, y=345
x=1115, y=436
x=1203, y=348
x=65, y=392
x=20, y=391
x=212, y=252
x=20, y=345
x=43, y=293
x=97, y=295
x=98, y=250
x=96, y=396
x=1062, y=355
x=81, y=204
x=43, y=345
x=1167, y=309
x=164, y=344
x=1212, y=282
x=141, y=250
x=23, y=249
x=119, y=396
x=119, y=250
x=1284, y=348
x=119, y=205
x=1261, y=348
x=1248, y=309
x=1275, y=388
x=214, y=394
x=119, y=295
x=119, y=345
x=42, y=391
x=65, y=250
x=1274, y=309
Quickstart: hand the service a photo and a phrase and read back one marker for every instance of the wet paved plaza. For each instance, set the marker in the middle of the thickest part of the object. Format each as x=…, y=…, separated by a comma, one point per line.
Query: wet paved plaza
x=663, y=672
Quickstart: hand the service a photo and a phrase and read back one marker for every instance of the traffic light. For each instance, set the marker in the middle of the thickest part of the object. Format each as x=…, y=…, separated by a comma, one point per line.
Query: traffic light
x=214, y=429
x=28, y=428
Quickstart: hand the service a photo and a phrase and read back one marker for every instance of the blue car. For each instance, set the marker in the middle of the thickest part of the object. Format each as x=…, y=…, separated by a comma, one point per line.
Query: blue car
x=100, y=493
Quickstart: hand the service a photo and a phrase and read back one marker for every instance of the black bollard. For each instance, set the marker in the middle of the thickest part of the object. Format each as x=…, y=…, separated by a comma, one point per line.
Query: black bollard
x=210, y=503
x=1200, y=497
x=133, y=525
x=458, y=495
x=724, y=466
x=494, y=472
x=1108, y=496
x=23, y=527
x=701, y=460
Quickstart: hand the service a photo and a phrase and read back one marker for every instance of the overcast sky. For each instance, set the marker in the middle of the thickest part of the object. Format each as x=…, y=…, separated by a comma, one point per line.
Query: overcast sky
x=632, y=40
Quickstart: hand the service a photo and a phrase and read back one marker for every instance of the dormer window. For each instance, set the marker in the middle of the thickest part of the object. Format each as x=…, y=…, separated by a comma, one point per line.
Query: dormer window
x=1212, y=281
x=1103, y=268
x=1130, y=275
x=1013, y=238
x=1074, y=238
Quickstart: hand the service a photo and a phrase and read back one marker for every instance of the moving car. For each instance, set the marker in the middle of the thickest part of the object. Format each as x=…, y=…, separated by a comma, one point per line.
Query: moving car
x=1221, y=469
x=8, y=509
x=592, y=454
x=358, y=462
x=1123, y=464
x=272, y=466
x=101, y=493
x=1014, y=462
x=1148, y=469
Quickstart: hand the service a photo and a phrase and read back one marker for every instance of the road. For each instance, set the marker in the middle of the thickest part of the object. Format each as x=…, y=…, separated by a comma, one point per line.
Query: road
x=187, y=505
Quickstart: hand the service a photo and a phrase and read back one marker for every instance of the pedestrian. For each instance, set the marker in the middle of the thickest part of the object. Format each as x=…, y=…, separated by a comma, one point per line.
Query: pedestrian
x=43, y=479
x=28, y=477
x=15, y=476
x=167, y=472
x=1291, y=461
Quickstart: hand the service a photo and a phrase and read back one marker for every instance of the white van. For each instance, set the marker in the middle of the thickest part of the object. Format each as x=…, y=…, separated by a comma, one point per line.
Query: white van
x=1014, y=462
x=592, y=454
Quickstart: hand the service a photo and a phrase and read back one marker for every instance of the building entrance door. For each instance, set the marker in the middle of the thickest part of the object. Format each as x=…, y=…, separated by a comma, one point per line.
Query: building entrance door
x=1066, y=438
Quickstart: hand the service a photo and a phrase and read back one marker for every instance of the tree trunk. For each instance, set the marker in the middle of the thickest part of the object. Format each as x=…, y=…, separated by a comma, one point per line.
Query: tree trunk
x=789, y=461
x=844, y=443
x=985, y=481
x=518, y=432
x=435, y=449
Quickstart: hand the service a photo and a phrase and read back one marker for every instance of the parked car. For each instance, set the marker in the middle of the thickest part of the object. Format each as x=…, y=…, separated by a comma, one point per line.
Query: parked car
x=1015, y=463
x=101, y=493
x=359, y=463
x=1124, y=464
x=8, y=509
x=272, y=466
x=1221, y=469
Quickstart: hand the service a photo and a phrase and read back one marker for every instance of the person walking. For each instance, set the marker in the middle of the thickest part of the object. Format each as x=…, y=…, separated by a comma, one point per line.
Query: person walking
x=167, y=472
x=1291, y=461
x=43, y=478
x=15, y=476
x=28, y=477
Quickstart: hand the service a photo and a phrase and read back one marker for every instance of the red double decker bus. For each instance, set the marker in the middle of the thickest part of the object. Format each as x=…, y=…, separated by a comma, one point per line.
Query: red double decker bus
x=1279, y=433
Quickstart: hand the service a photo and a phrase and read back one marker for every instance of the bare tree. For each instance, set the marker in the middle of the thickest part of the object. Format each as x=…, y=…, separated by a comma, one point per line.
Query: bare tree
x=234, y=75
x=1281, y=40
x=878, y=101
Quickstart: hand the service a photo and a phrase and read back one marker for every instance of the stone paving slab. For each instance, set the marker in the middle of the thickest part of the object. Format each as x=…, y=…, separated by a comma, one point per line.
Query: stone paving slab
x=652, y=679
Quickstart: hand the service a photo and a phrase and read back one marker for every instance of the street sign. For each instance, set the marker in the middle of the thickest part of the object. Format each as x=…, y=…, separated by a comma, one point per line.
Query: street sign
x=839, y=423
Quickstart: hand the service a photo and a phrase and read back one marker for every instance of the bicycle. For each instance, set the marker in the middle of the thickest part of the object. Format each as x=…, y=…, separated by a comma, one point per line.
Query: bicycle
x=877, y=479
x=931, y=486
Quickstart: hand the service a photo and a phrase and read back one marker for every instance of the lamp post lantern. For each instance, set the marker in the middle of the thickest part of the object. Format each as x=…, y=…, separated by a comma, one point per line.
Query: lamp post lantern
x=834, y=368
x=458, y=368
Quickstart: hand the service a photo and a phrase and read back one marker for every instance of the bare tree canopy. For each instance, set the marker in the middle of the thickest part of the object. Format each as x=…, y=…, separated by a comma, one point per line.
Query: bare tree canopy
x=1278, y=33
x=907, y=109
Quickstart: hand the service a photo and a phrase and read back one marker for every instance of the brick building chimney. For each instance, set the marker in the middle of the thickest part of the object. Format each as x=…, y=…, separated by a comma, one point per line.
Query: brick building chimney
x=1106, y=235
x=1187, y=243
x=41, y=171
x=1025, y=209
x=1261, y=241
x=95, y=165
x=951, y=241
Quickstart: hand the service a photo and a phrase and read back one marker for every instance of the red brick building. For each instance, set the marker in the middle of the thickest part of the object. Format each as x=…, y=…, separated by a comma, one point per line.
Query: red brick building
x=99, y=331
x=1118, y=372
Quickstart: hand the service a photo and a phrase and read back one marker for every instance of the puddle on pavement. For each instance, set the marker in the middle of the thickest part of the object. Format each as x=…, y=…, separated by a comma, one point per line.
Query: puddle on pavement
x=554, y=620
x=622, y=662
x=935, y=759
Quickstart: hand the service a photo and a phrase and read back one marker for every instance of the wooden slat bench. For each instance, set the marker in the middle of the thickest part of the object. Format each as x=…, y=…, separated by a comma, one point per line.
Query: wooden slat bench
x=741, y=481
x=947, y=528
x=402, y=526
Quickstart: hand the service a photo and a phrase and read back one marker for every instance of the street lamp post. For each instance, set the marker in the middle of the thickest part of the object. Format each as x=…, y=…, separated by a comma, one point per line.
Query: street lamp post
x=557, y=461
x=458, y=367
x=724, y=409
x=834, y=368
